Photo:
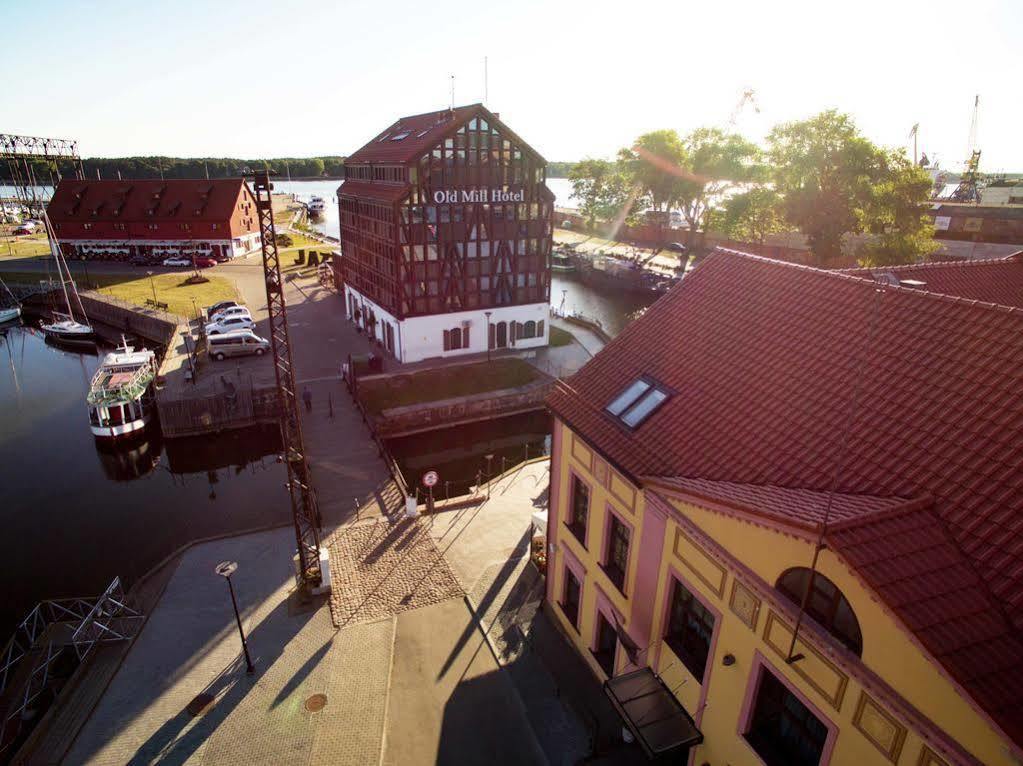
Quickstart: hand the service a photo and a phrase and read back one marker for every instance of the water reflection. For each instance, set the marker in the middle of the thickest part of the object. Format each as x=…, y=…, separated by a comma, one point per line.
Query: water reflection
x=130, y=459
x=459, y=454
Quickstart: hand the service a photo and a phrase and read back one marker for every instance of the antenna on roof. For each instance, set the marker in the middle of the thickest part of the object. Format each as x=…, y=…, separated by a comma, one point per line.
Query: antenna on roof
x=207, y=166
x=452, y=91
x=843, y=452
x=485, y=78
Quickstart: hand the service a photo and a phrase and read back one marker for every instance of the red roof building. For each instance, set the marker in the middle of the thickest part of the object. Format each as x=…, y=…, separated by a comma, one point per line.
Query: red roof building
x=149, y=220
x=446, y=236
x=879, y=411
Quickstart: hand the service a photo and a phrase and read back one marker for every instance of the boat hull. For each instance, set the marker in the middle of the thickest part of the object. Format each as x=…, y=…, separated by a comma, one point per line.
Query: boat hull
x=9, y=315
x=122, y=430
x=69, y=337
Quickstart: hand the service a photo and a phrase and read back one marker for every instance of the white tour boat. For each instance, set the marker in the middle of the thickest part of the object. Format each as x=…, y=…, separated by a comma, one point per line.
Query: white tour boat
x=317, y=206
x=120, y=397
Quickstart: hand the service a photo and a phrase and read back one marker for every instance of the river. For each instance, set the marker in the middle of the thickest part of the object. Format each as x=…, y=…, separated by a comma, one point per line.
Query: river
x=74, y=515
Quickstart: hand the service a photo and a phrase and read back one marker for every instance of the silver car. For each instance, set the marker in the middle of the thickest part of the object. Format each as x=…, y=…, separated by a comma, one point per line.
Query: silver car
x=239, y=343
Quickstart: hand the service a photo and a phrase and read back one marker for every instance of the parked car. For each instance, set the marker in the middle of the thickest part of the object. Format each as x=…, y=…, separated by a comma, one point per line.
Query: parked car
x=221, y=258
x=204, y=263
x=23, y=229
x=218, y=307
x=239, y=343
x=141, y=260
x=177, y=261
x=231, y=311
x=229, y=324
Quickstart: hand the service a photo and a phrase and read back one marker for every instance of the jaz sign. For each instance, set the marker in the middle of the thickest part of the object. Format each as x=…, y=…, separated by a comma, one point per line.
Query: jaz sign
x=443, y=196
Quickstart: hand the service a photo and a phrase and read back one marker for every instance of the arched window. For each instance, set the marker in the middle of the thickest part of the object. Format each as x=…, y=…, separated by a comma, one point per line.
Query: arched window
x=456, y=337
x=530, y=329
x=826, y=605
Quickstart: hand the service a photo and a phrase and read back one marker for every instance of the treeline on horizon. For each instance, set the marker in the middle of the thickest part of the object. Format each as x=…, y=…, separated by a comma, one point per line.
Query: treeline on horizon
x=198, y=167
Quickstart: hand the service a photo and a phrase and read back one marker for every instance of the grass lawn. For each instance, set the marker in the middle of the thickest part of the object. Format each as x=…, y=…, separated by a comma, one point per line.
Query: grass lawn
x=170, y=288
x=33, y=245
x=445, y=383
x=298, y=239
x=560, y=337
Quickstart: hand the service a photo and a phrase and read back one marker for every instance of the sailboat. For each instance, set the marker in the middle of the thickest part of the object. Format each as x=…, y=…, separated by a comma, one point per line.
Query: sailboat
x=12, y=312
x=65, y=327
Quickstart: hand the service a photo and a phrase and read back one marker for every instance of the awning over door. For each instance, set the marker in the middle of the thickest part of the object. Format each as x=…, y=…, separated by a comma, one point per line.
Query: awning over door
x=658, y=721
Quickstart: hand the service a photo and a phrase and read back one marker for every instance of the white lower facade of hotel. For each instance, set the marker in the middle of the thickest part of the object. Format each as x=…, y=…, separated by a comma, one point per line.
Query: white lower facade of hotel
x=113, y=248
x=456, y=334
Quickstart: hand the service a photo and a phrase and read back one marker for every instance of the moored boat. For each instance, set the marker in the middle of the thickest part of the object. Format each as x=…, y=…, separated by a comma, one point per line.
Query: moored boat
x=317, y=206
x=12, y=311
x=65, y=328
x=120, y=396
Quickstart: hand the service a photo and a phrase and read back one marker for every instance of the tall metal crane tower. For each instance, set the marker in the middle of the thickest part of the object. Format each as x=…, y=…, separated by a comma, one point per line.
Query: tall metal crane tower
x=967, y=190
x=304, y=510
x=18, y=151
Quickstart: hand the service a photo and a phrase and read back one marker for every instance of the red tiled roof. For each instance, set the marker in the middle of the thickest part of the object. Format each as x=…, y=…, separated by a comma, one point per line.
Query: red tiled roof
x=424, y=131
x=179, y=200
x=994, y=281
x=376, y=191
x=802, y=507
x=762, y=357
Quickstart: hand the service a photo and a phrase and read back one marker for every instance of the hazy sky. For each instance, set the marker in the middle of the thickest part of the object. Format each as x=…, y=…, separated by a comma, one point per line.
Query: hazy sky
x=257, y=78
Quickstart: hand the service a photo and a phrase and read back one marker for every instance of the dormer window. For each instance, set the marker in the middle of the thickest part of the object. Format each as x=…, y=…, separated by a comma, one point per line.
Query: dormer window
x=401, y=136
x=637, y=402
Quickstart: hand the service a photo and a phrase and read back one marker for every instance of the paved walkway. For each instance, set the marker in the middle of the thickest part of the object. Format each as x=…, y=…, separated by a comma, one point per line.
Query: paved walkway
x=406, y=685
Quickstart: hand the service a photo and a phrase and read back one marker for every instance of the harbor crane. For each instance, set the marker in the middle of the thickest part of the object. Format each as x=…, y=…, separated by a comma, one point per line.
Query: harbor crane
x=304, y=511
x=748, y=98
x=19, y=151
x=968, y=190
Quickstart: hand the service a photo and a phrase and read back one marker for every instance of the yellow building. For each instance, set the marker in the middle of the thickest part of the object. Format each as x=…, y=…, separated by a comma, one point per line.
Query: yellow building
x=786, y=518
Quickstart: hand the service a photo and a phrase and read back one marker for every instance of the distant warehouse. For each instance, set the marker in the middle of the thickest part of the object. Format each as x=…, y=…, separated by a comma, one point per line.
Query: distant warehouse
x=151, y=220
x=446, y=236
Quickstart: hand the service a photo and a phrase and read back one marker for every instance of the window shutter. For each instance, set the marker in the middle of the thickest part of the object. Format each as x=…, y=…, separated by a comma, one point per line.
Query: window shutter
x=447, y=341
x=465, y=337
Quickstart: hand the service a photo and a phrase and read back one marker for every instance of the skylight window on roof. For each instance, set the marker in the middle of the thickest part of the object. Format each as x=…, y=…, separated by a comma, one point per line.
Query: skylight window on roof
x=401, y=136
x=637, y=402
x=423, y=133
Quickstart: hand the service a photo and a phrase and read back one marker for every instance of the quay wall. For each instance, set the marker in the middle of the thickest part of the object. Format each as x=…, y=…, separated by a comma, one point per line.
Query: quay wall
x=427, y=416
x=221, y=411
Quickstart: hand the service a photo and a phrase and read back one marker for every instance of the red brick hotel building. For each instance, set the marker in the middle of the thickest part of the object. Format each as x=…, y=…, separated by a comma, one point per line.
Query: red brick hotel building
x=446, y=236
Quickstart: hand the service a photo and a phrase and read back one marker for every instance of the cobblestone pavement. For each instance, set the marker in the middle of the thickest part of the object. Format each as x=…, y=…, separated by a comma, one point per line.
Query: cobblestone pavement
x=379, y=569
x=190, y=646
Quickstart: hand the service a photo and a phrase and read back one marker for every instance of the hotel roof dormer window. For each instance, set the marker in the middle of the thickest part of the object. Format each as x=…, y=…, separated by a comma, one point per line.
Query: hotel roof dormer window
x=401, y=136
x=637, y=402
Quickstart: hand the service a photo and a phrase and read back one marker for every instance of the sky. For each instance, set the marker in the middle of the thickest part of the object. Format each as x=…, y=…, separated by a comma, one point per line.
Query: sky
x=573, y=78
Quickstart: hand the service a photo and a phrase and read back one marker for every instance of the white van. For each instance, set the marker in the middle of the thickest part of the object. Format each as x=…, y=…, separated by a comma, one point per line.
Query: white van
x=239, y=343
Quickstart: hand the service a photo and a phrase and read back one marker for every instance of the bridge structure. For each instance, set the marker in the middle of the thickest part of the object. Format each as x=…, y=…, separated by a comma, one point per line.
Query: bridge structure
x=21, y=153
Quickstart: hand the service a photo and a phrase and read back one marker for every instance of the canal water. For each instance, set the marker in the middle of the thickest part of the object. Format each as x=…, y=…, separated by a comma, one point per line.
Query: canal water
x=75, y=515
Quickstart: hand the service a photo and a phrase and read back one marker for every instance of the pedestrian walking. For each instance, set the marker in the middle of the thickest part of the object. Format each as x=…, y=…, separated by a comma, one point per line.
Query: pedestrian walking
x=307, y=397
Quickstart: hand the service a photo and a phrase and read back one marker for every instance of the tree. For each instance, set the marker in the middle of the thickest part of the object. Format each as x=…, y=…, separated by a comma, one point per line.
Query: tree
x=823, y=168
x=655, y=163
x=589, y=178
x=895, y=214
x=751, y=215
x=716, y=163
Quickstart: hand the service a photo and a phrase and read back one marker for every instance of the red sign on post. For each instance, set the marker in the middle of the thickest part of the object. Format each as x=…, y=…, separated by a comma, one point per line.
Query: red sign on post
x=430, y=479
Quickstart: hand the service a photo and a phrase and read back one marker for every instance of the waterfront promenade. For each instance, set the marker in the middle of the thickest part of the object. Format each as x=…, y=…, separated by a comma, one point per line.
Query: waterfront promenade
x=414, y=686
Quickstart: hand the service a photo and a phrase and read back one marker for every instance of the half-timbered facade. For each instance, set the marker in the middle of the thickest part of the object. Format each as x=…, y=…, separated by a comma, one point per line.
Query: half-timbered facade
x=446, y=236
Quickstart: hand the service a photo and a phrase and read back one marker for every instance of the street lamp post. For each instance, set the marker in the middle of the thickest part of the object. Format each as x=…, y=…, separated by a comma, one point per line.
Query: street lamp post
x=225, y=569
x=152, y=284
x=488, y=334
x=489, y=458
x=85, y=265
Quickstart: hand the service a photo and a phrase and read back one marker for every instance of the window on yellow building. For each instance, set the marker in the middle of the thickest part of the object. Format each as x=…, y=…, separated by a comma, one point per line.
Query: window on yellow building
x=690, y=630
x=782, y=730
x=572, y=597
x=826, y=605
x=607, y=642
x=616, y=558
x=580, y=509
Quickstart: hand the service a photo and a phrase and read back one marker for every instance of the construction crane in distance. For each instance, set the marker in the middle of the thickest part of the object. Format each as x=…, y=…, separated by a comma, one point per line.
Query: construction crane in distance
x=748, y=97
x=967, y=190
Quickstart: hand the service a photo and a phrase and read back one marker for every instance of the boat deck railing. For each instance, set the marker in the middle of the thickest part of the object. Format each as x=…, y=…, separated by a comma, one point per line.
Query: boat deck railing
x=130, y=389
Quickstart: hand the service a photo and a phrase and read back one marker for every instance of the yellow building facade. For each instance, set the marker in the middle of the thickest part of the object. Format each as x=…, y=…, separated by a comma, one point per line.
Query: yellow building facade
x=645, y=574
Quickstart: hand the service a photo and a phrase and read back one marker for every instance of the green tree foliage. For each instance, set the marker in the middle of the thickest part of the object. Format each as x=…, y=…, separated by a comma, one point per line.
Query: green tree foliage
x=603, y=190
x=833, y=181
x=895, y=213
x=655, y=163
x=716, y=162
x=560, y=169
x=185, y=167
x=749, y=216
x=823, y=168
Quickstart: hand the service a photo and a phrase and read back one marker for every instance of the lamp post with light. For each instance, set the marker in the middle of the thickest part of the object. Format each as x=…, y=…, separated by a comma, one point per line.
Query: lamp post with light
x=152, y=284
x=488, y=334
x=225, y=569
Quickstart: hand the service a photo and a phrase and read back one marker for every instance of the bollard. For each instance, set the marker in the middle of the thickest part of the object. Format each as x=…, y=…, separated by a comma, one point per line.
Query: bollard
x=527, y=453
x=330, y=404
x=447, y=490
